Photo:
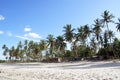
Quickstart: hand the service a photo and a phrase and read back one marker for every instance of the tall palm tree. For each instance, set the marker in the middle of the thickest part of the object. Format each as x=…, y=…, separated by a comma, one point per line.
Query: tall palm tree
x=69, y=32
x=106, y=37
x=107, y=18
x=110, y=35
x=30, y=51
x=118, y=25
x=6, y=50
x=12, y=53
x=75, y=48
x=26, y=49
x=97, y=28
x=43, y=44
x=19, y=53
x=86, y=31
x=60, y=44
x=93, y=45
x=80, y=35
x=37, y=51
x=51, y=44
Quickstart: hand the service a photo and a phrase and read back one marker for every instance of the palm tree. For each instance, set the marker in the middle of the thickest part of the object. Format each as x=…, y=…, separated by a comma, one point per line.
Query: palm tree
x=80, y=35
x=69, y=32
x=118, y=25
x=116, y=48
x=93, y=45
x=110, y=35
x=60, y=44
x=75, y=48
x=106, y=37
x=26, y=48
x=86, y=31
x=97, y=28
x=19, y=53
x=51, y=44
x=12, y=53
x=37, y=51
x=6, y=50
x=43, y=45
x=107, y=18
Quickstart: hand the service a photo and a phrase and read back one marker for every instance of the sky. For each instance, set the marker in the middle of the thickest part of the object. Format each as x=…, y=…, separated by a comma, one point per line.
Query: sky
x=36, y=19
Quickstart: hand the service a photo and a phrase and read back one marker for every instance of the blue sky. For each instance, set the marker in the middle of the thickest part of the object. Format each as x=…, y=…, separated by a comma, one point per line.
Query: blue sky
x=35, y=19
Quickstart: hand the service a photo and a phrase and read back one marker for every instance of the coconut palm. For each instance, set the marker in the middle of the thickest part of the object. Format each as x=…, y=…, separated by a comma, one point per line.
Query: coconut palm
x=37, y=51
x=110, y=35
x=26, y=48
x=31, y=47
x=93, y=45
x=83, y=32
x=43, y=45
x=60, y=44
x=80, y=35
x=86, y=31
x=51, y=44
x=6, y=50
x=107, y=18
x=12, y=53
x=97, y=28
x=118, y=25
x=69, y=32
x=19, y=53
x=106, y=37
x=75, y=48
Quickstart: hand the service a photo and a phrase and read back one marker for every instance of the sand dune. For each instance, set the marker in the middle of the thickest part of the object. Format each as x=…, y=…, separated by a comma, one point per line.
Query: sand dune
x=107, y=70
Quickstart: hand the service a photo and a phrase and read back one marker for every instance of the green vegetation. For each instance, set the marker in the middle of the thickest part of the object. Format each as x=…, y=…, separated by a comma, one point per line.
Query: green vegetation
x=86, y=42
x=2, y=61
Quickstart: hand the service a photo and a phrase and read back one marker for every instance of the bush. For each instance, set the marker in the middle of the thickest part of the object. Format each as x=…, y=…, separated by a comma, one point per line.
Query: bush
x=2, y=61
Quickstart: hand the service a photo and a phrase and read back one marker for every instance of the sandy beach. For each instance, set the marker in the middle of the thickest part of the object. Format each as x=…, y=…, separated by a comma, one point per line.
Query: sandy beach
x=103, y=70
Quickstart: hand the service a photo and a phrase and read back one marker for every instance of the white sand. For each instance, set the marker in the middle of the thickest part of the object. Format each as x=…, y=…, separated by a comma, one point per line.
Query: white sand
x=61, y=71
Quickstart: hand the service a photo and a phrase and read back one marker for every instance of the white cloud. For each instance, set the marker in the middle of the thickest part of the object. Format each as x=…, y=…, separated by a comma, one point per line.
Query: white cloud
x=32, y=35
x=29, y=35
x=22, y=37
x=9, y=33
x=1, y=32
x=27, y=29
x=2, y=18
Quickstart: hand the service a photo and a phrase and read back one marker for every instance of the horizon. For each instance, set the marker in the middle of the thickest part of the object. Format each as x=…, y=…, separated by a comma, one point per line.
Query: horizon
x=35, y=20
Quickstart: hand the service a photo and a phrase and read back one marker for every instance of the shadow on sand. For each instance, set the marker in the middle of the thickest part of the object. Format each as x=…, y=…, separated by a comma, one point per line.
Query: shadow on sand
x=89, y=65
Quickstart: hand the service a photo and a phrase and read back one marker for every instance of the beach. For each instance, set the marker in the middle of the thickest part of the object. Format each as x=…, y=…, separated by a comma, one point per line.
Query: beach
x=85, y=70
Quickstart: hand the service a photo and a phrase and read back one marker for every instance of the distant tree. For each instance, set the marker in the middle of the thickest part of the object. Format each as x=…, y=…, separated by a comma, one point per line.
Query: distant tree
x=97, y=29
x=93, y=46
x=12, y=53
x=116, y=48
x=19, y=52
x=118, y=25
x=87, y=31
x=26, y=49
x=60, y=45
x=6, y=50
x=110, y=35
x=51, y=44
x=68, y=33
x=80, y=35
x=107, y=18
x=43, y=44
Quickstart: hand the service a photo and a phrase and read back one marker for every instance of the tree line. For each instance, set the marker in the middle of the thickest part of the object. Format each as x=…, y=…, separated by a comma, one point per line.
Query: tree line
x=87, y=42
